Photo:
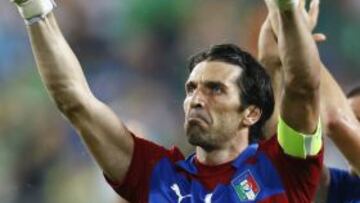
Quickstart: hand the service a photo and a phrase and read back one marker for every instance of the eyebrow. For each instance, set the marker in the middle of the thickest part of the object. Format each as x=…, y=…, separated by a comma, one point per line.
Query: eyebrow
x=208, y=83
x=214, y=83
x=188, y=83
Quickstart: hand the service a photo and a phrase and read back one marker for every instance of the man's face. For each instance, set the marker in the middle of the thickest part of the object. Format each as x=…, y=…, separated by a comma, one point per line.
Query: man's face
x=212, y=104
x=355, y=105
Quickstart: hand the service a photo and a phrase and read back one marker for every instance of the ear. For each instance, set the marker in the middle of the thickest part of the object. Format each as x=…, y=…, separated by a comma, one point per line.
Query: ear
x=251, y=115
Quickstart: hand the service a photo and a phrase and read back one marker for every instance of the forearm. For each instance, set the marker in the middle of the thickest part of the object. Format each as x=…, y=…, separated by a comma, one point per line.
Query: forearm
x=346, y=136
x=298, y=52
x=339, y=120
x=58, y=66
x=273, y=67
x=276, y=75
x=334, y=103
x=301, y=65
x=268, y=56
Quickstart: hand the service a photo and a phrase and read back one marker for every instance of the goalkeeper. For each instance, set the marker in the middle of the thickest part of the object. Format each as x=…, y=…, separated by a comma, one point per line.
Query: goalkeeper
x=228, y=98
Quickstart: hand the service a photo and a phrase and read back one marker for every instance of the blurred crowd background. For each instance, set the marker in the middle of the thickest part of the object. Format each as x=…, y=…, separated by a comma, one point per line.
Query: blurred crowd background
x=134, y=55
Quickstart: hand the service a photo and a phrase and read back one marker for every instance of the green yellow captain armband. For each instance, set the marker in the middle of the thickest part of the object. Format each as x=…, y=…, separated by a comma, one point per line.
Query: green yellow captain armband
x=298, y=144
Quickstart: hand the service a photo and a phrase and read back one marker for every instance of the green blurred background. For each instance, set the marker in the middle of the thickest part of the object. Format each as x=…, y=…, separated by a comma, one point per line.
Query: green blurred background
x=134, y=55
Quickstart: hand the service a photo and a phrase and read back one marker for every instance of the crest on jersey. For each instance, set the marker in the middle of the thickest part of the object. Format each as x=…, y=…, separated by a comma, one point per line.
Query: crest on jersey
x=246, y=186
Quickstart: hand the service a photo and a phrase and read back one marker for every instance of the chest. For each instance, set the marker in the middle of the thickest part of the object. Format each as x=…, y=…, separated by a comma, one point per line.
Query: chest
x=250, y=182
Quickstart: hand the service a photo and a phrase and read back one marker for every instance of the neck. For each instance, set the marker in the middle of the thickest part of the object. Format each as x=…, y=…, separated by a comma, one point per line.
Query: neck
x=228, y=152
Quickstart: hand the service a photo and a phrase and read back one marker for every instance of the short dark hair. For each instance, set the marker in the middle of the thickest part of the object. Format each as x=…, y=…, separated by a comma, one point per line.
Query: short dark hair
x=254, y=83
x=353, y=92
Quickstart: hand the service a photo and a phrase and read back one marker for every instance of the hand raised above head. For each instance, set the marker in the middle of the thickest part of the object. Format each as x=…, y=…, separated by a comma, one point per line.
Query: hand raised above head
x=310, y=16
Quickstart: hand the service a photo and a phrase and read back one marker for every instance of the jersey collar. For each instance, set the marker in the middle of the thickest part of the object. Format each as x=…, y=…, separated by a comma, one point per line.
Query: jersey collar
x=189, y=166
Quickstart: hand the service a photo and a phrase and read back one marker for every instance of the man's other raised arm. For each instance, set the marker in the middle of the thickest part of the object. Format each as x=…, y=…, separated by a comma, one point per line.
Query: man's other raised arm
x=338, y=119
x=105, y=135
x=342, y=125
x=268, y=56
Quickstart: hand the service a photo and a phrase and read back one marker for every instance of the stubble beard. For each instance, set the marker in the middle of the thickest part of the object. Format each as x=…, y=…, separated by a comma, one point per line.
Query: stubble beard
x=200, y=137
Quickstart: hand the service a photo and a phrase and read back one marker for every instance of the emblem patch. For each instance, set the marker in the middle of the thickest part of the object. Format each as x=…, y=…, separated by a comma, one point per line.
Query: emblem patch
x=246, y=186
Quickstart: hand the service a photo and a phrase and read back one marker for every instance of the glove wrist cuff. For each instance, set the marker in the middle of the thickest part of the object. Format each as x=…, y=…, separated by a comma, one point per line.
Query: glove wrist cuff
x=287, y=4
x=32, y=10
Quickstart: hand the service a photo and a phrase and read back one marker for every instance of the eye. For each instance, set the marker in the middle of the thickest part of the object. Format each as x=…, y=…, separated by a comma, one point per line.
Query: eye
x=190, y=87
x=215, y=88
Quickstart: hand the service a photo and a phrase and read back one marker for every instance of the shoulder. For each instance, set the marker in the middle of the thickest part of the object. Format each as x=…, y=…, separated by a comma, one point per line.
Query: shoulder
x=299, y=176
x=343, y=186
x=147, y=155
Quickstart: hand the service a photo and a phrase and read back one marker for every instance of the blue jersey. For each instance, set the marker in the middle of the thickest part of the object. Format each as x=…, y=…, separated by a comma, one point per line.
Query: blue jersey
x=261, y=173
x=344, y=187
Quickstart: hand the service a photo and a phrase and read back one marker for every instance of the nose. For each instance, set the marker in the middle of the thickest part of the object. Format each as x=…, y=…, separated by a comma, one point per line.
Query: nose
x=198, y=100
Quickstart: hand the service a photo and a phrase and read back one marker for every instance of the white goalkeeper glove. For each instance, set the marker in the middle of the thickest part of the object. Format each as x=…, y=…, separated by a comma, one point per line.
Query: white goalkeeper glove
x=34, y=10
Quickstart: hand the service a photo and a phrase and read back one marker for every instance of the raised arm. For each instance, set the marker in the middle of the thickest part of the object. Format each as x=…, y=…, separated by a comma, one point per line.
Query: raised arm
x=268, y=56
x=104, y=134
x=338, y=119
x=300, y=104
x=343, y=128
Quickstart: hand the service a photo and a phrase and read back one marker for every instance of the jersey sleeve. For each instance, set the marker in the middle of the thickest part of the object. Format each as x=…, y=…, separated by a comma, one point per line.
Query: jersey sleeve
x=299, y=176
x=135, y=186
x=344, y=187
